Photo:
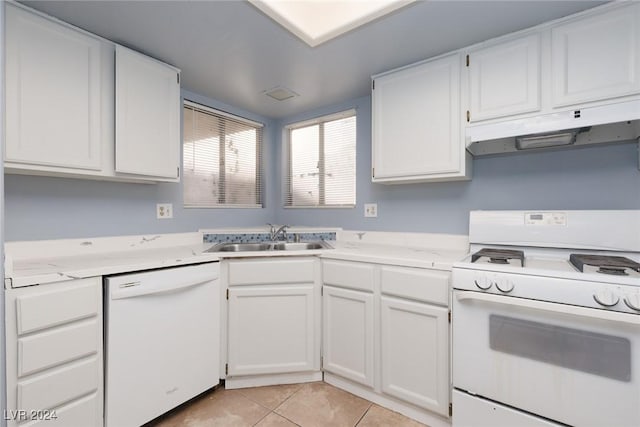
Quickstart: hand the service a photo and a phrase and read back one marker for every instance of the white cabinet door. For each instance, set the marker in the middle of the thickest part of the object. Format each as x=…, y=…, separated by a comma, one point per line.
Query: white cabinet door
x=53, y=99
x=271, y=329
x=417, y=122
x=504, y=79
x=147, y=116
x=596, y=57
x=415, y=348
x=348, y=334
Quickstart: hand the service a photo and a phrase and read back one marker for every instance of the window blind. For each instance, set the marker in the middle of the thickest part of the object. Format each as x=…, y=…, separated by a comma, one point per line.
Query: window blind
x=221, y=159
x=322, y=162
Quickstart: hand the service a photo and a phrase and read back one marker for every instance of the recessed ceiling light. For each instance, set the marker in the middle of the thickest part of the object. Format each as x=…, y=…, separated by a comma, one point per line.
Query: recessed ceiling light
x=280, y=93
x=317, y=21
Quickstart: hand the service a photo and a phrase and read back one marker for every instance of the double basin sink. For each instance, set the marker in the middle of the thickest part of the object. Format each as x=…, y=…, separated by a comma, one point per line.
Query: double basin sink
x=268, y=246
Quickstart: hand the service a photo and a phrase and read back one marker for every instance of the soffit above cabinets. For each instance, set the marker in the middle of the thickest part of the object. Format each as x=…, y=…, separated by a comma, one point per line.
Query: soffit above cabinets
x=232, y=52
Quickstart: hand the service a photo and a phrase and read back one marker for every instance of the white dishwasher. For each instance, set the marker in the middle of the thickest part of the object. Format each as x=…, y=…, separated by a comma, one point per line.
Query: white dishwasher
x=162, y=338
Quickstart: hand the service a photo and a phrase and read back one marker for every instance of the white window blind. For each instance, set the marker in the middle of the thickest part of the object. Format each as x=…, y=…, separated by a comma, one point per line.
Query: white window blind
x=221, y=159
x=322, y=162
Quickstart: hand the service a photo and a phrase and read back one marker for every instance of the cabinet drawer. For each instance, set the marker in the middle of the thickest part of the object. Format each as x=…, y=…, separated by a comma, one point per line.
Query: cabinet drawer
x=254, y=272
x=348, y=274
x=54, y=347
x=418, y=284
x=83, y=412
x=69, y=383
x=58, y=306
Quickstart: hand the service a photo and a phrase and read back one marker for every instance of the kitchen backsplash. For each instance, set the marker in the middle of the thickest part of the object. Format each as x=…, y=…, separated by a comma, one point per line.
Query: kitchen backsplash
x=264, y=237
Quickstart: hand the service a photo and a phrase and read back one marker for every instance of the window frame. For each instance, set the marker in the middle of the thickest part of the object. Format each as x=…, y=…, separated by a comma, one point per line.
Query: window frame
x=222, y=158
x=321, y=120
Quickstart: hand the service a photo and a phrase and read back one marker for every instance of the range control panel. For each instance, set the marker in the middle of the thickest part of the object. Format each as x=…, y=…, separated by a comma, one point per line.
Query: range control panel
x=545, y=218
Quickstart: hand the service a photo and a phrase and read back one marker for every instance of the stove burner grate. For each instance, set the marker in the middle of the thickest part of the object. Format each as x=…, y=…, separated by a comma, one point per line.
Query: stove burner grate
x=499, y=256
x=614, y=265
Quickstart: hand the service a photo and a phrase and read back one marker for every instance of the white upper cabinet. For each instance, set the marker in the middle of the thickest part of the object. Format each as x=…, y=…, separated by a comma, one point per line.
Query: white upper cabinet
x=64, y=105
x=53, y=93
x=417, y=123
x=147, y=116
x=596, y=57
x=504, y=79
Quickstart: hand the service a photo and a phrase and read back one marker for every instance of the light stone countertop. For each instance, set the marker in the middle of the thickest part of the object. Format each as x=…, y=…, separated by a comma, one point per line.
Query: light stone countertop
x=421, y=250
x=30, y=263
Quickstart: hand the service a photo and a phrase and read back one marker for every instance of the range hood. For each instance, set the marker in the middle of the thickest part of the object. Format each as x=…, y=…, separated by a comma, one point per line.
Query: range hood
x=593, y=125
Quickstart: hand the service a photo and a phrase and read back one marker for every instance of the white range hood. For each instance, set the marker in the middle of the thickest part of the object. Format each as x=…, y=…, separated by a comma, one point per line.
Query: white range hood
x=607, y=123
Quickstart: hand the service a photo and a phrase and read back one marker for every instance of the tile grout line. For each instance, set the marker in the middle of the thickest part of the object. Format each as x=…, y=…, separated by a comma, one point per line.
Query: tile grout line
x=271, y=411
x=363, y=415
x=290, y=396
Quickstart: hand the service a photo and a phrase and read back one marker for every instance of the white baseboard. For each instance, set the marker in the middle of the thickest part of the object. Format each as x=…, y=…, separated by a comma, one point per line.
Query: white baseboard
x=264, y=380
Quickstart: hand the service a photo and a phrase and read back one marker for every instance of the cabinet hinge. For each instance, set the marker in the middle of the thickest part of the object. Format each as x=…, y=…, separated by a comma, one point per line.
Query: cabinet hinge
x=373, y=85
x=321, y=290
x=321, y=362
x=449, y=316
x=179, y=75
x=227, y=293
x=373, y=172
x=226, y=372
x=467, y=60
x=450, y=409
x=468, y=116
x=178, y=171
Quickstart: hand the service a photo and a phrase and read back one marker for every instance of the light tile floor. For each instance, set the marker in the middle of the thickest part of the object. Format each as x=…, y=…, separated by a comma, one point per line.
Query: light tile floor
x=307, y=405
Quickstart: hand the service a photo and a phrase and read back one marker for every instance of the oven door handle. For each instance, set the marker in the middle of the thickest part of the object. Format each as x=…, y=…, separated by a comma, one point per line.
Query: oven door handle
x=569, y=310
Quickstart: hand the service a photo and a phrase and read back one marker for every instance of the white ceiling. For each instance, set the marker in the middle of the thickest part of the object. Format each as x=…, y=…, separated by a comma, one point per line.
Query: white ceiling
x=232, y=52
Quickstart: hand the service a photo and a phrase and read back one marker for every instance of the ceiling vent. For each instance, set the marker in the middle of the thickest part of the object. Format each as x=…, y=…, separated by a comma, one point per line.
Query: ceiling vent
x=280, y=93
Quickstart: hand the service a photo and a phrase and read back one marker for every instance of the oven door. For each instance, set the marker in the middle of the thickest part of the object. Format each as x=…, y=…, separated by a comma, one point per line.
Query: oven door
x=574, y=365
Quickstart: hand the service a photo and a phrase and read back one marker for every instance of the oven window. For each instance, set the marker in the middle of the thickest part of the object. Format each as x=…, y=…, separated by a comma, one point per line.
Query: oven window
x=604, y=355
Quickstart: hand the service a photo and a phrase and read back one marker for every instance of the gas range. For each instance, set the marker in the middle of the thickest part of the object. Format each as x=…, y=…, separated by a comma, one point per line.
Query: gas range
x=546, y=320
x=584, y=258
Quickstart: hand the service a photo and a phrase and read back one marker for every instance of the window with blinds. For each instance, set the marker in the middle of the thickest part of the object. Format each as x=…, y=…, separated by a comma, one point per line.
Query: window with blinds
x=221, y=159
x=322, y=162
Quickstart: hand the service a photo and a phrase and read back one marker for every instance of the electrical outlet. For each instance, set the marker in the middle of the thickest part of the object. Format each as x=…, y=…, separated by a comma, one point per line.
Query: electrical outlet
x=371, y=210
x=164, y=210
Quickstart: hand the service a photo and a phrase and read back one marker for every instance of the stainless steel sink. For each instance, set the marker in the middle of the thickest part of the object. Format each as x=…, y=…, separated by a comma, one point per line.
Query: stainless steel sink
x=275, y=246
x=240, y=247
x=301, y=246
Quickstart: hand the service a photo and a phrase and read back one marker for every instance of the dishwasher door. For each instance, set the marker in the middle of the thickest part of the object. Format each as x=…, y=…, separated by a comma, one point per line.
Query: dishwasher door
x=162, y=332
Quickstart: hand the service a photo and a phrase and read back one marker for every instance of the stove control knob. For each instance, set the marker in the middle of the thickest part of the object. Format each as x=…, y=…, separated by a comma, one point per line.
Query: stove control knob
x=633, y=301
x=483, y=283
x=606, y=298
x=505, y=285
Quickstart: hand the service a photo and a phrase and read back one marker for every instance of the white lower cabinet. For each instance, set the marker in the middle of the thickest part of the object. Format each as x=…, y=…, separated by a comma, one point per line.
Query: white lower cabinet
x=273, y=316
x=54, y=354
x=386, y=331
x=415, y=353
x=347, y=331
x=271, y=329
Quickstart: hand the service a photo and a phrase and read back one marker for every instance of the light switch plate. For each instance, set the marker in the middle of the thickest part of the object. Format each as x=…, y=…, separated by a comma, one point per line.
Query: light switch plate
x=371, y=210
x=164, y=210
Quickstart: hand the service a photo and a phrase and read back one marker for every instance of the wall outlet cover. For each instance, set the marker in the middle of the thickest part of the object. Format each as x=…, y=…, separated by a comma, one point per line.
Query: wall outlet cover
x=164, y=210
x=371, y=210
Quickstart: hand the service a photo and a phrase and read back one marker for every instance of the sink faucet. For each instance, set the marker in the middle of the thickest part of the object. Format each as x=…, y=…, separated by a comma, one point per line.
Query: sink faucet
x=275, y=232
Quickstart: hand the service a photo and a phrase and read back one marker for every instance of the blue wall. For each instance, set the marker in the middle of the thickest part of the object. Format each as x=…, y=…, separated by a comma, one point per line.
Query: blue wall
x=51, y=208
x=602, y=177
x=597, y=177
